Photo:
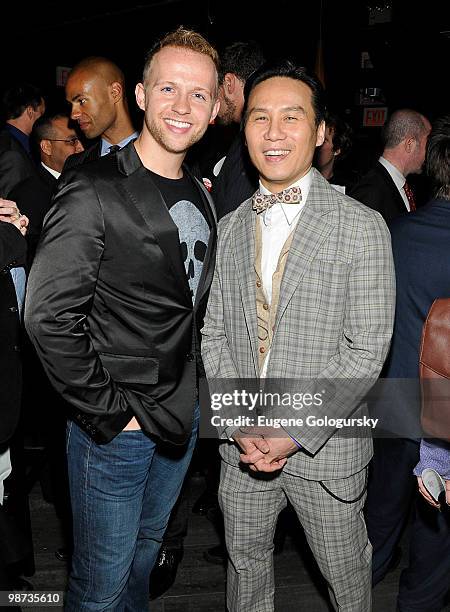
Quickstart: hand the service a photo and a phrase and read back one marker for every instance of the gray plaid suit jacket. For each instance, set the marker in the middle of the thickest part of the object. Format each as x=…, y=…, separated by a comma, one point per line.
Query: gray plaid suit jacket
x=334, y=317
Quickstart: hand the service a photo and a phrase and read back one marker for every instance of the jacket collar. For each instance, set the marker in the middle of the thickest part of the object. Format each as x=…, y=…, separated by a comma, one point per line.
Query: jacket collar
x=313, y=227
x=141, y=189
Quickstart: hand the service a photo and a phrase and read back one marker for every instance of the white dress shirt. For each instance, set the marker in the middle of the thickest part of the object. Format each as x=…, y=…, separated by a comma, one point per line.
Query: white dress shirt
x=277, y=222
x=398, y=179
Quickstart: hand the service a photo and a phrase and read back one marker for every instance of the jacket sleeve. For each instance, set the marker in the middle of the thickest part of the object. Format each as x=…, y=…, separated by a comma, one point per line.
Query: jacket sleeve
x=371, y=192
x=13, y=170
x=61, y=289
x=367, y=332
x=13, y=247
x=216, y=352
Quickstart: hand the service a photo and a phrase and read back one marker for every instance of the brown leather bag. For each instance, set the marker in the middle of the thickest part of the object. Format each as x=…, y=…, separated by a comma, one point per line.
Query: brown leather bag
x=434, y=370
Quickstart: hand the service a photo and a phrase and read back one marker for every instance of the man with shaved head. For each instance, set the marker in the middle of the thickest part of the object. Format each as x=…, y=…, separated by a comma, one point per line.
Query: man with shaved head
x=95, y=90
x=384, y=187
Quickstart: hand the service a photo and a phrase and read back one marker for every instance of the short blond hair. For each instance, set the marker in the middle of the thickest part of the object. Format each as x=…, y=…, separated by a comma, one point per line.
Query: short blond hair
x=184, y=39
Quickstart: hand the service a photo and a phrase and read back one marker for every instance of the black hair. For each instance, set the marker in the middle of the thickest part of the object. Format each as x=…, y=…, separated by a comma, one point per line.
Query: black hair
x=287, y=68
x=241, y=58
x=342, y=134
x=18, y=97
x=43, y=127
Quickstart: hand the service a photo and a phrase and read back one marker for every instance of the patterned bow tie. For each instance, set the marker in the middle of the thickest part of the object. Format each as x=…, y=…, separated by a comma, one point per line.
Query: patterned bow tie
x=261, y=201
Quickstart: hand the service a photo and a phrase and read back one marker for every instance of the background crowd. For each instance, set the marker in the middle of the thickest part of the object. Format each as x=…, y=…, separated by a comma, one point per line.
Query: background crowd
x=43, y=138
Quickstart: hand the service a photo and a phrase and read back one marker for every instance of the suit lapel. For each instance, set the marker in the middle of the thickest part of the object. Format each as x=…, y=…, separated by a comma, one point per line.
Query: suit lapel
x=141, y=190
x=311, y=231
x=48, y=178
x=243, y=249
x=208, y=265
x=94, y=152
x=389, y=182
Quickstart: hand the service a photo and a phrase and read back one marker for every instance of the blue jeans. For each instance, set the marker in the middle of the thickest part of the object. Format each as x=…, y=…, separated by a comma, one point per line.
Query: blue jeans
x=122, y=494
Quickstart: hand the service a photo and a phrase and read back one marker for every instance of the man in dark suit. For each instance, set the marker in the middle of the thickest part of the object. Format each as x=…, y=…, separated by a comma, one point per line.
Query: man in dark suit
x=96, y=91
x=12, y=289
x=384, y=187
x=23, y=105
x=55, y=141
x=221, y=157
x=116, y=297
x=236, y=179
x=421, y=248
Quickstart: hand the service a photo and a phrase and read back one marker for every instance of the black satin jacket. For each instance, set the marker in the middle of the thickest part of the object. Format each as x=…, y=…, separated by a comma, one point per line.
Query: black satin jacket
x=108, y=306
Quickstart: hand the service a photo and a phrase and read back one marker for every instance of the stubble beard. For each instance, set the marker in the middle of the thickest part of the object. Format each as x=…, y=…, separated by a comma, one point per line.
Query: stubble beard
x=227, y=116
x=160, y=137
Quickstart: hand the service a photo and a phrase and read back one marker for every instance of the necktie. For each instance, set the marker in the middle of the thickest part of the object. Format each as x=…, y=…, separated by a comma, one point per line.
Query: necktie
x=113, y=148
x=410, y=196
x=262, y=201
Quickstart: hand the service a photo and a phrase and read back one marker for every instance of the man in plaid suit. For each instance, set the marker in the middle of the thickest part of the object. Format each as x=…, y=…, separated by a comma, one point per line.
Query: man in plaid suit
x=303, y=289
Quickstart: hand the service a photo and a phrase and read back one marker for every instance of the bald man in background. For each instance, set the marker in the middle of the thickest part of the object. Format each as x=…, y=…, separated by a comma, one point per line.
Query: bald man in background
x=384, y=188
x=96, y=91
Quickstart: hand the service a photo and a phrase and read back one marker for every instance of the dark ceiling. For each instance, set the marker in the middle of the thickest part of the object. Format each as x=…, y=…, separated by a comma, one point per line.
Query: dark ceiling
x=410, y=53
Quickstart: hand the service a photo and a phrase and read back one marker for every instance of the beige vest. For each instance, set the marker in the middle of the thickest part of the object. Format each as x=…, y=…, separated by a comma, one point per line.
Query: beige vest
x=268, y=312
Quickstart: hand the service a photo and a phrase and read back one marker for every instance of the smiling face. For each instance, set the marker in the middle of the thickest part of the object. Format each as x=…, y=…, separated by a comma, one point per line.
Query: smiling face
x=179, y=99
x=281, y=132
x=92, y=102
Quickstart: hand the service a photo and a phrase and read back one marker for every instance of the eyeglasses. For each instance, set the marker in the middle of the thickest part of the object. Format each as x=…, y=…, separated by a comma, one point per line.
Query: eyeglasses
x=70, y=141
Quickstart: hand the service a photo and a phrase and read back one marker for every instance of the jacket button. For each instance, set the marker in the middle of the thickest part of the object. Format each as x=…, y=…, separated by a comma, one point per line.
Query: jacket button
x=16, y=347
x=258, y=283
x=266, y=306
x=190, y=357
x=13, y=308
x=262, y=350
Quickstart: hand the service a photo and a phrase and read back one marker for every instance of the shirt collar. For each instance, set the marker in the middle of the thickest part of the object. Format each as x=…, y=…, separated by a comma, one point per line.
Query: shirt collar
x=54, y=173
x=291, y=210
x=106, y=145
x=19, y=136
x=394, y=173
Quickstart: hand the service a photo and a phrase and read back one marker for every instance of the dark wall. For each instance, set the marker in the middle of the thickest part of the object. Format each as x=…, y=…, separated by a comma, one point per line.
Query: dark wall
x=410, y=56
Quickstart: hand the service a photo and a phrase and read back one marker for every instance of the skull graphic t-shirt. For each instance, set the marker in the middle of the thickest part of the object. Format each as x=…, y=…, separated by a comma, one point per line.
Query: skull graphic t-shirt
x=186, y=207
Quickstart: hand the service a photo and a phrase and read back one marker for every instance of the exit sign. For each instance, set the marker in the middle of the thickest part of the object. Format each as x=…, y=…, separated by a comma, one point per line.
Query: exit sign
x=375, y=117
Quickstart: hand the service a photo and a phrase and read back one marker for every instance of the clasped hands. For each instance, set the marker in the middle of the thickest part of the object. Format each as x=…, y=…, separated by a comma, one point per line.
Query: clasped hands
x=263, y=449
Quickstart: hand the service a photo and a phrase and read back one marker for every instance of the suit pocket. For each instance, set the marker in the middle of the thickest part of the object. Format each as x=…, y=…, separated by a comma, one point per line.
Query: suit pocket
x=328, y=281
x=131, y=369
